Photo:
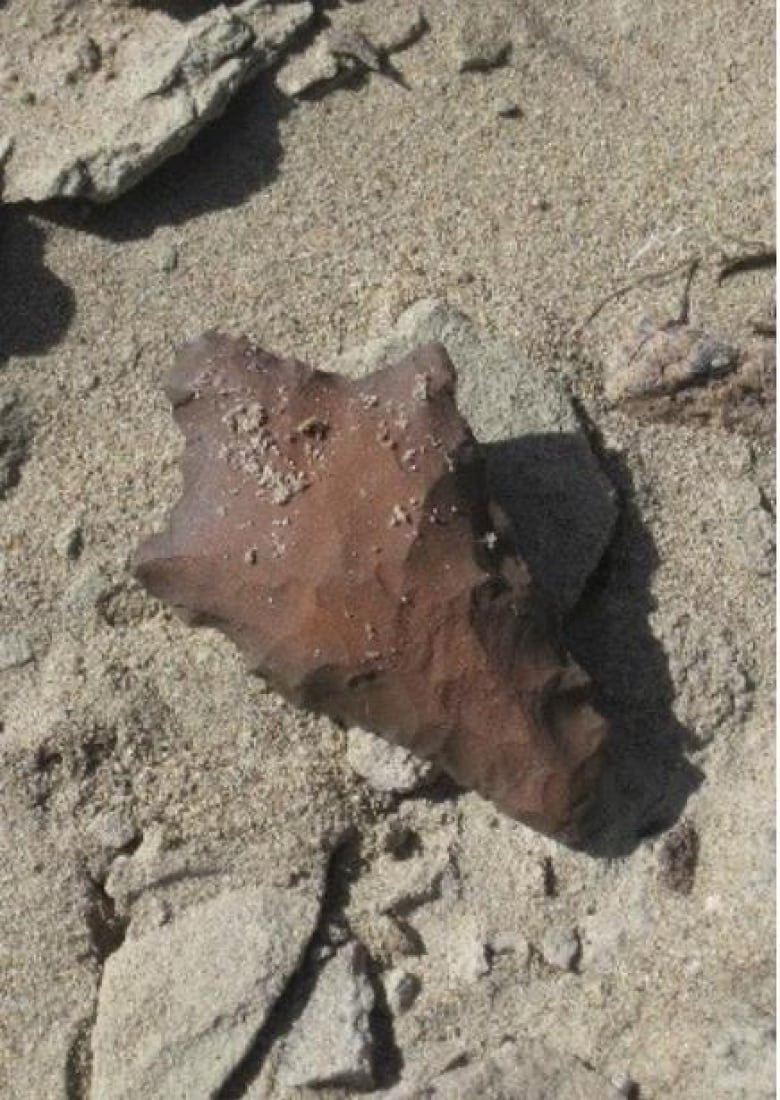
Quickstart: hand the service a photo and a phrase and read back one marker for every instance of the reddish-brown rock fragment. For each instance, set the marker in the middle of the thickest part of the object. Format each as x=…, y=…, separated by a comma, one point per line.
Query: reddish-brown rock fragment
x=340, y=534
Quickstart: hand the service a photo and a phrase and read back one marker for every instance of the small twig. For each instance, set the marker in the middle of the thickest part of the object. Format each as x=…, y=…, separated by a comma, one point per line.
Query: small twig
x=684, y=313
x=690, y=266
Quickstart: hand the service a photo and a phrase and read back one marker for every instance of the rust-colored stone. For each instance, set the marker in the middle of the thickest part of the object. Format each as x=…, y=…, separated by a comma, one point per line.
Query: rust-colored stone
x=339, y=532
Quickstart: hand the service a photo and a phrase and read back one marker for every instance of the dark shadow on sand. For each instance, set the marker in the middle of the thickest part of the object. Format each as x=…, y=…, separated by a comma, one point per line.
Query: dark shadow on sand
x=36, y=307
x=648, y=778
x=235, y=156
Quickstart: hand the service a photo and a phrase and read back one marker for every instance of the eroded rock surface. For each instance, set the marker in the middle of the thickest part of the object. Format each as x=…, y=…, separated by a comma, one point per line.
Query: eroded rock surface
x=180, y=1005
x=331, y=1043
x=124, y=102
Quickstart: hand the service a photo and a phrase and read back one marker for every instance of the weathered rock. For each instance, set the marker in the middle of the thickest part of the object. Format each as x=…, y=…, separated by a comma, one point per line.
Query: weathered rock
x=153, y=863
x=309, y=69
x=467, y=956
x=561, y=947
x=395, y=885
x=181, y=1004
x=416, y=618
x=385, y=767
x=168, y=81
x=331, y=1042
x=658, y=361
x=109, y=833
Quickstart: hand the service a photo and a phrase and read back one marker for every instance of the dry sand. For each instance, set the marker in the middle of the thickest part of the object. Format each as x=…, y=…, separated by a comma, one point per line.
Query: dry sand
x=644, y=137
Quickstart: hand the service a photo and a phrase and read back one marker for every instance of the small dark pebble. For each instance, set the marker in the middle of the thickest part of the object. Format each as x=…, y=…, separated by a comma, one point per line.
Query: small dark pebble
x=677, y=858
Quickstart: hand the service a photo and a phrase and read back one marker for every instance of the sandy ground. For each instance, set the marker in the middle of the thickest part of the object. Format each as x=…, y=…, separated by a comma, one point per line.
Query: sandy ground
x=645, y=137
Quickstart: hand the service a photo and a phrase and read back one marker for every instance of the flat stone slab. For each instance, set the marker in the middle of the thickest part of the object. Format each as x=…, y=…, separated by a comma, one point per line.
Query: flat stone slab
x=97, y=114
x=180, y=1006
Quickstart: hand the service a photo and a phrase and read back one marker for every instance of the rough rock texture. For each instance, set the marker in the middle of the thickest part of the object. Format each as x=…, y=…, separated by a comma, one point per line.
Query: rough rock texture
x=416, y=619
x=180, y=1005
x=117, y=118
x=385, y=767
x=331, y=1042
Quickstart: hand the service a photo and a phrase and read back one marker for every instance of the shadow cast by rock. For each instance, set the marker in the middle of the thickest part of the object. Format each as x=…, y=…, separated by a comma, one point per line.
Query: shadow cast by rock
x=561, y=506
x=36, y=307
x=561, y=514
x=649, y=778
x=230, y=160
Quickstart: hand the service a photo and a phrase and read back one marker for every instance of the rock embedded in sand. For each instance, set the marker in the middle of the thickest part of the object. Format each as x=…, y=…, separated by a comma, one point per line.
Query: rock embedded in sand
x=103, y=132
x=180, y=1005
x=383, y=588
x=331, y=1043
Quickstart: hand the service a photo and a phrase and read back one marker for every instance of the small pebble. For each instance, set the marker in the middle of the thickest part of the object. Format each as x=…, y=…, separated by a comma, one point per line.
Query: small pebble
x=507, y=108
x=561, y=948
x=402, y=988
x=169, y=259
x=624, y=1085
x=15, y=651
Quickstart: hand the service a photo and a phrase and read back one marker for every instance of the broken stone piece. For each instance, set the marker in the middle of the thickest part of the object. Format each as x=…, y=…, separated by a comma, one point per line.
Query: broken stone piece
x=180, y=1005
x=331, y=1043
x=382, y=587
x=97, y=138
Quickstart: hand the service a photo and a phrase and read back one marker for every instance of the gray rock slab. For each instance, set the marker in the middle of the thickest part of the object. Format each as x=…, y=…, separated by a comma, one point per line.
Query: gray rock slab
x=385, y=767
x=540, y=465
x=180, y=1005
x=331, y=1042
x=99, y=139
